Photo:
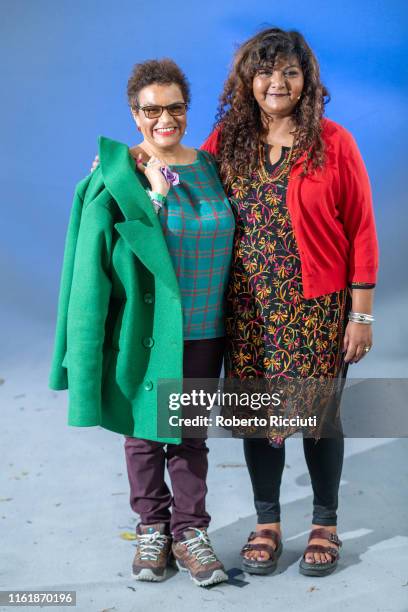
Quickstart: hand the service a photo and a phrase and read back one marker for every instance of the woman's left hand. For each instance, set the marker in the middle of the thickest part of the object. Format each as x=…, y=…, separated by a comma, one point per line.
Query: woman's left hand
x=152, y=172
x=357, y=338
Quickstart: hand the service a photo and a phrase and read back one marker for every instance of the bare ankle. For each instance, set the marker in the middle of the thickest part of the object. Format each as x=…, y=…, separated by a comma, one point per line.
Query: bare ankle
x=273, y=526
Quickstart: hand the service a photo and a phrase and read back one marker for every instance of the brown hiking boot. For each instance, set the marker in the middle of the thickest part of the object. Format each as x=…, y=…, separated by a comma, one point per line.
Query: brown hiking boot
x=194, y=554
x=153, y=548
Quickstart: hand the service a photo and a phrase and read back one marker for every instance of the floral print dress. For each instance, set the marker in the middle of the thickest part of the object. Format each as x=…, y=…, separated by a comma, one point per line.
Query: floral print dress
x=273, y=332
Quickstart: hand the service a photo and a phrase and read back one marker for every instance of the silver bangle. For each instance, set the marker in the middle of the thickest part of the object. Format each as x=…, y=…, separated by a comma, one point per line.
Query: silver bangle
x=361, y=317
x=156, y=205
x=157, y=199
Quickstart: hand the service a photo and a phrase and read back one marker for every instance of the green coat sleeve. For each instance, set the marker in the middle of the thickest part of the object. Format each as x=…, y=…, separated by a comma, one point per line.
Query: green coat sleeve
x=87, y=312
x=58, y=374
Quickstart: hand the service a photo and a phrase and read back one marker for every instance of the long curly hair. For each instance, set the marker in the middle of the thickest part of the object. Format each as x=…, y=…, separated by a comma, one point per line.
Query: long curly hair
x=239, y=116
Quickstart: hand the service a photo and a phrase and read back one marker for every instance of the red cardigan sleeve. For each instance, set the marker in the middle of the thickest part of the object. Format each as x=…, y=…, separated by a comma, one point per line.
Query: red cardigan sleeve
x=212, y=143
x=356, y=210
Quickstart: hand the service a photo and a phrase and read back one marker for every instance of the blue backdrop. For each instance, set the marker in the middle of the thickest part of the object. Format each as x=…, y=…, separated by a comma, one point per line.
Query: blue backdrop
x=65, y=65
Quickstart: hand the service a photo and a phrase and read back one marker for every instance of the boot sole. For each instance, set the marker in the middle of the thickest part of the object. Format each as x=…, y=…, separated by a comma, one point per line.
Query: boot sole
x=148, y=576
x=218, y=575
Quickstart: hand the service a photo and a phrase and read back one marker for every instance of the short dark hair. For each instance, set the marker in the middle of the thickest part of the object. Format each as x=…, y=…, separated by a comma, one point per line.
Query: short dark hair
x=163, y=72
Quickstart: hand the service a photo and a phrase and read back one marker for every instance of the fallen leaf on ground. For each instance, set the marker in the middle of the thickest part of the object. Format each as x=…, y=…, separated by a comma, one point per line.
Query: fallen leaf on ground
x=127, y=535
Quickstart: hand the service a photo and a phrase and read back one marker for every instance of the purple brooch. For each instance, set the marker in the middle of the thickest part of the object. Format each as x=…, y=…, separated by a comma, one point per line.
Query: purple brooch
x=171, y=177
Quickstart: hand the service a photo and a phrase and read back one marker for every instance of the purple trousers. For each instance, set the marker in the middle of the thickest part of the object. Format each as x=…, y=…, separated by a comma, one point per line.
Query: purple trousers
x=187, y=463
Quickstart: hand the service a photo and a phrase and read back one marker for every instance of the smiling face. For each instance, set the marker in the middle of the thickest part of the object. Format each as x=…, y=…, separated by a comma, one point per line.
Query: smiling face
x=278, y=88
x=166, y=131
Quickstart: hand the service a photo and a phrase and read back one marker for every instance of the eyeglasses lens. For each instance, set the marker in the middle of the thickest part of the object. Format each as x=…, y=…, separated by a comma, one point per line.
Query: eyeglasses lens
x=176, y=109
x=153, y=112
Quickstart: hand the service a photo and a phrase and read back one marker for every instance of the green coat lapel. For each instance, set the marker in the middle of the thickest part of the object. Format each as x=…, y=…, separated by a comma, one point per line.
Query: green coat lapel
x=141, y=229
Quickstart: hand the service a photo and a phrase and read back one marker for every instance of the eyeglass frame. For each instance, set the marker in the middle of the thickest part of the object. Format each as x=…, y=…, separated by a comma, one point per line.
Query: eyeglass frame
x=163, y=108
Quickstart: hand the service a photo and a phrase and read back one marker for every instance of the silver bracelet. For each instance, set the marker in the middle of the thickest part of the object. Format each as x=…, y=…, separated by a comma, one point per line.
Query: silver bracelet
x=157, y=199
x=156, y=205
x=361, y=317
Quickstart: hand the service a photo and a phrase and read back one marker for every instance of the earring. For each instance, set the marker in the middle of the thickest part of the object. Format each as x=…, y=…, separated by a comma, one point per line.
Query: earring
x=185, y=132
x=139, y=128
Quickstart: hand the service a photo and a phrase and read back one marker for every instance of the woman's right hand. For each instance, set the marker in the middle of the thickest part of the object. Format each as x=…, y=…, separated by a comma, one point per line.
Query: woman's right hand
x=153, y=174
x=151, y=170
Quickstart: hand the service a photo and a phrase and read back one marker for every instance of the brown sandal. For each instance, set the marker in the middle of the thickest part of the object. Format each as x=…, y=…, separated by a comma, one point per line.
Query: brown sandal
x=266, y=566
x=321, y=569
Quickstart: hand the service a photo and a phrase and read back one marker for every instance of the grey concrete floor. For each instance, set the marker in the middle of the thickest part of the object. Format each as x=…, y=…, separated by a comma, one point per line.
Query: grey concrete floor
x=64, y=505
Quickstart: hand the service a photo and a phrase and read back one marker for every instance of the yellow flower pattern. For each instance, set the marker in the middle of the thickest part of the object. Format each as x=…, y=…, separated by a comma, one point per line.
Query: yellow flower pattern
x=273, y=332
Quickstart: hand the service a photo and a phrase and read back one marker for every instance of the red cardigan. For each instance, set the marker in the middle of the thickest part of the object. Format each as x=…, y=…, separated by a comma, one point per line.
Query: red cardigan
x=332, y=215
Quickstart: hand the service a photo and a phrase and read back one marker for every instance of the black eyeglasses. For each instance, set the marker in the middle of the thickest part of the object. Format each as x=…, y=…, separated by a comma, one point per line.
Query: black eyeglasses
x=155, y=111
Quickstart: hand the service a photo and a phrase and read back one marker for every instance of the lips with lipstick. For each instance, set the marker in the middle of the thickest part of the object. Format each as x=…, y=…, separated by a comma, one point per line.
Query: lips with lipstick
x=276, y=95
x=168, y=131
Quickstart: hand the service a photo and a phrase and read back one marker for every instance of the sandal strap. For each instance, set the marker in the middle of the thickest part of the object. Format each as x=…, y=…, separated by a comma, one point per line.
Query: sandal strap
x=262, y=546
x=265, y=533
x=324, y=549
x=325, y=534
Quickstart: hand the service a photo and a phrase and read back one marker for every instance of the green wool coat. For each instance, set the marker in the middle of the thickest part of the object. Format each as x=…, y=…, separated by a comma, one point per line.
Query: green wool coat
x=119, y=322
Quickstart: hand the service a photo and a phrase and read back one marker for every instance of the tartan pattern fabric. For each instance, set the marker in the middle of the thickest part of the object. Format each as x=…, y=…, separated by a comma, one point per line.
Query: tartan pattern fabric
x=198, y=226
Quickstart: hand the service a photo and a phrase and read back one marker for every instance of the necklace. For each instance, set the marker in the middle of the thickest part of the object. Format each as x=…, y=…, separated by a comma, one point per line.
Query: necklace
x=283, y=168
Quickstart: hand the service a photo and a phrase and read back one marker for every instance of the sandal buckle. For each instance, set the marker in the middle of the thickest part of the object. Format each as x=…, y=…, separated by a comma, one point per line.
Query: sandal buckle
x=334, y=538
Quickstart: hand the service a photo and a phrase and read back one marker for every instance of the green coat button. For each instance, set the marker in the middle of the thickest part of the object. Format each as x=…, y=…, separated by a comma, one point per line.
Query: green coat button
x=148, y=298
x=148, y=342
x=148, y=386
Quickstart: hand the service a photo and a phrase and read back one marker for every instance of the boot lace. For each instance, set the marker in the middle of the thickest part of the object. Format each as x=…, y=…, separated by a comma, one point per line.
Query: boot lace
x=150, y=545
x=200, y=547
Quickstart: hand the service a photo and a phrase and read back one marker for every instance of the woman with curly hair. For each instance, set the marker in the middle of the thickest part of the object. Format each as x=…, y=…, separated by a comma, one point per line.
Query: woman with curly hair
x=300, y=293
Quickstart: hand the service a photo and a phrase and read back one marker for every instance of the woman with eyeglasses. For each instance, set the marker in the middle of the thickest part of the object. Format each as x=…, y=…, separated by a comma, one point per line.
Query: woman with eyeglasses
x=144, y=276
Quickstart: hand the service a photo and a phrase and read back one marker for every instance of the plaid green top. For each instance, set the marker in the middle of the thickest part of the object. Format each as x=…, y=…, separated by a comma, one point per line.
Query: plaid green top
x=198, y=226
